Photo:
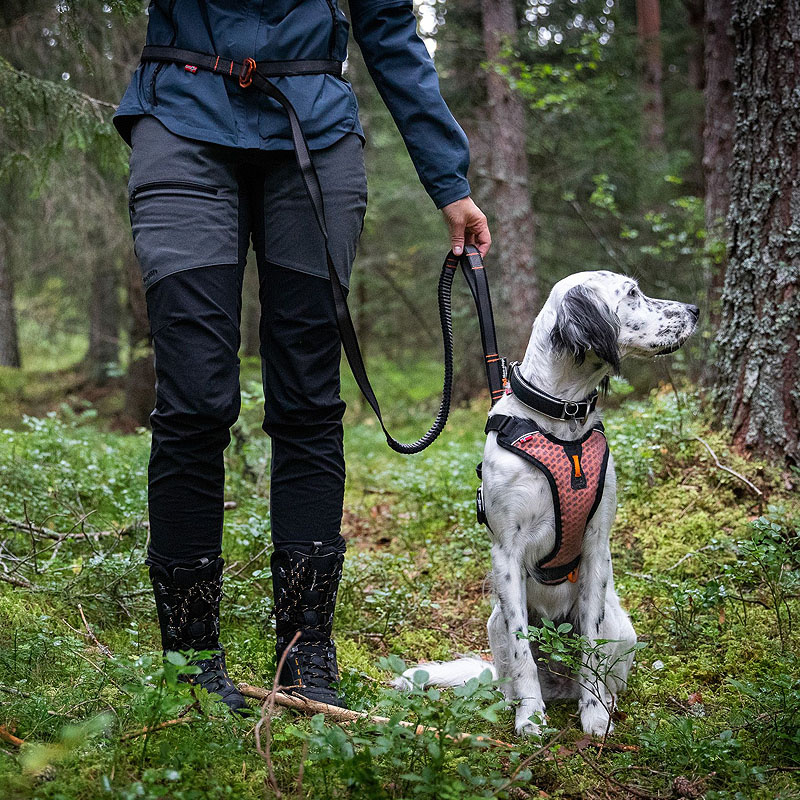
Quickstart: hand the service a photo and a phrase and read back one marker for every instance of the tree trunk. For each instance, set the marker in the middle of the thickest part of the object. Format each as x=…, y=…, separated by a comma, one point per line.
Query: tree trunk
x=719, y=118
x=513, y=217
x=648, y=25
x=695, y=73
x=9, y=346
x=102, y=356
x=140, y=382
x=758, y=385
x=695, y=47
x=251, y=311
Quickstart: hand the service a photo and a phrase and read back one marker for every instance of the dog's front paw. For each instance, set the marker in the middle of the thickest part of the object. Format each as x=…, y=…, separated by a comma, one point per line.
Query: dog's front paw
x=595, y=718
x=529, y=720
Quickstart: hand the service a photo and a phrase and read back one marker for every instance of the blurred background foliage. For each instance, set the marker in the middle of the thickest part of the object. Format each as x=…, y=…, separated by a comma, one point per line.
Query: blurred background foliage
x=602, y=195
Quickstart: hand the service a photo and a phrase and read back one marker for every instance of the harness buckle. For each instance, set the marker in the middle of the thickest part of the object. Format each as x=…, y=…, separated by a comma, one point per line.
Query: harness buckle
x=480, y=507
x=504, y=371
x=249, y=66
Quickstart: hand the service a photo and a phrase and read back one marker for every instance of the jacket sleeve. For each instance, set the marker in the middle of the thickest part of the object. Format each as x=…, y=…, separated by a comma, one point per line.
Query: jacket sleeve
x=403, y=71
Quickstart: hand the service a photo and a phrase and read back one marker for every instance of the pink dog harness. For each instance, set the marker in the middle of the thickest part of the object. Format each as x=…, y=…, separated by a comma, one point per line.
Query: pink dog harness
x=576, y=472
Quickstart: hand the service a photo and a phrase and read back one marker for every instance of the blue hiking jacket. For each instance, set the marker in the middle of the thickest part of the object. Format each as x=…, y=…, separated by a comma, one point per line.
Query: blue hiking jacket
x=213, y=108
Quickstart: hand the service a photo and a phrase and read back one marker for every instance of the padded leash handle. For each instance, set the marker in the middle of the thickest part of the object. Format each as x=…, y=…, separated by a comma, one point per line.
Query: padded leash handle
x=496, y=365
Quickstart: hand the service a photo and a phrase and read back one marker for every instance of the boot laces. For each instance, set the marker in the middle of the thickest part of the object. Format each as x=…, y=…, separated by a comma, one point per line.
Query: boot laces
x=213, y=676
x=317, y=662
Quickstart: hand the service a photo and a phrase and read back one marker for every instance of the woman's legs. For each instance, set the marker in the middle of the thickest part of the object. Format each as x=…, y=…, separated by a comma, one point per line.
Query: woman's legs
x=301, y=354
x=190, y=213
x=189, y=221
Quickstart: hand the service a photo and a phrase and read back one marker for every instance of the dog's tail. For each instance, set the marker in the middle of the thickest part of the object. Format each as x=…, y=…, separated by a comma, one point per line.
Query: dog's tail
x=444, y=674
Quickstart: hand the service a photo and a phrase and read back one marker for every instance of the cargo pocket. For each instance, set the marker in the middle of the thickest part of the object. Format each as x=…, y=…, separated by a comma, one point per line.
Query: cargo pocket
x=179, y=225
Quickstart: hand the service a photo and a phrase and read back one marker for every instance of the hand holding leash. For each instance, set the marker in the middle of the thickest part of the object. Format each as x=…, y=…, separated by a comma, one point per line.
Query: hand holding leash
x=467, y=224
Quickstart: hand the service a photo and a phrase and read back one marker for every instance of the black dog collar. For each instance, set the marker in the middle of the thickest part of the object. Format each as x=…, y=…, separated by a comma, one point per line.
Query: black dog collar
x=545, y=403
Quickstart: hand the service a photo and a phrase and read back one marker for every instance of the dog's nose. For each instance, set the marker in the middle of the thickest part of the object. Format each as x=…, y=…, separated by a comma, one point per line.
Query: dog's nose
x=694, y=311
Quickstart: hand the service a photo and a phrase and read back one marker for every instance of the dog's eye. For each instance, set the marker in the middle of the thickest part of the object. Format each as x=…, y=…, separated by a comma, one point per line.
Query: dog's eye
x=633, y=292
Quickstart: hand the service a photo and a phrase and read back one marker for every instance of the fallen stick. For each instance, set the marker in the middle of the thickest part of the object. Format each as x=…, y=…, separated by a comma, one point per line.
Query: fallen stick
x=722, y=466
x=21, y=582
x=152, y=728
x=267, y=710
x=346, y=715
x=90, y=633
x=9, y=737
x=48, y=533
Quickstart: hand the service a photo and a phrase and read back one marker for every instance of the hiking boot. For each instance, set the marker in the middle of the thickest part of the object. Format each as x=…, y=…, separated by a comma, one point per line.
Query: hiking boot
x=187, y=601
x=305, y=579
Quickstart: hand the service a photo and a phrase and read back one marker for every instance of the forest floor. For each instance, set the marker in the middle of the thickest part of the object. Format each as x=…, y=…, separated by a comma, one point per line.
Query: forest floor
x=708, y=570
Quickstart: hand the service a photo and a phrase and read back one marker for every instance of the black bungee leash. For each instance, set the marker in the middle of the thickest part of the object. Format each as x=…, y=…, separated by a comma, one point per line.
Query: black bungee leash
x=248, y=73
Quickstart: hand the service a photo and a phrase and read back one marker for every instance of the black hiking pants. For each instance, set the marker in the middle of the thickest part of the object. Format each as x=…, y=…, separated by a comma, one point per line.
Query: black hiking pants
x=195, y=207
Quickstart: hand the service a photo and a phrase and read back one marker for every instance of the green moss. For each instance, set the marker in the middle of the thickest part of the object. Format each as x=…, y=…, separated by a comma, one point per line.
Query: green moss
x=415, y=587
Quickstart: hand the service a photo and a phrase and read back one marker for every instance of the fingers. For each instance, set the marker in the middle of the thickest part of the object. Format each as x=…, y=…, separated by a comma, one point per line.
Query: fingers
x=482, y=238
x=468, y=225
x=477, y=233
x=457, y=239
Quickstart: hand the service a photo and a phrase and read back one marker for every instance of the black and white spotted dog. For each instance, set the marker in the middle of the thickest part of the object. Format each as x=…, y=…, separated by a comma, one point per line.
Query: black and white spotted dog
x=590, y=321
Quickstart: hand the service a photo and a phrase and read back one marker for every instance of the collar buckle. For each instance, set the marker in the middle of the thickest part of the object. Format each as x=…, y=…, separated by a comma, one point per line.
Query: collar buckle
x=543, y=403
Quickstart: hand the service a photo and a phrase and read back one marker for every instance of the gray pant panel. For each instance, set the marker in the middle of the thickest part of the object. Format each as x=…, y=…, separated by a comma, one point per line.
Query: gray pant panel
x=185, y=199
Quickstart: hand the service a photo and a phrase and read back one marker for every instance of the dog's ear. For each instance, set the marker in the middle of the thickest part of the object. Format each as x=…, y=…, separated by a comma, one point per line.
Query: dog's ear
x=584, y=322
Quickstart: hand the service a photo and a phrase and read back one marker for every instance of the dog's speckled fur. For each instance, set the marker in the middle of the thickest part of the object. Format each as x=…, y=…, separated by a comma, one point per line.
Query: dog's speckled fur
x=589, y=323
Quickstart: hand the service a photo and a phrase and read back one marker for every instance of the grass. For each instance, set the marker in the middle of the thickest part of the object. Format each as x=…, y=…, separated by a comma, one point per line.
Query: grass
x=708, y=572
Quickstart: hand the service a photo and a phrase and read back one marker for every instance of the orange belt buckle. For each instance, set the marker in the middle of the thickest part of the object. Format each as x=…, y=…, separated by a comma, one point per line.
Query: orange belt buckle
x=246, y=75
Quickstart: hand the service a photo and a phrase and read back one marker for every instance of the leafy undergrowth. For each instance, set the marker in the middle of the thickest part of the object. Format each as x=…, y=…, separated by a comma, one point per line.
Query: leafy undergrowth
x=707, y=568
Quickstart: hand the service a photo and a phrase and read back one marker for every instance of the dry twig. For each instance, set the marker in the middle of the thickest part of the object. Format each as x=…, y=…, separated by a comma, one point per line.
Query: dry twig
x=48, y=533
x=634, y=790
x=345, y=715
x=153, y=728
x=14, y=581
x=100, y=646
x=267, y=710
x=722, y=466
x=7, y=736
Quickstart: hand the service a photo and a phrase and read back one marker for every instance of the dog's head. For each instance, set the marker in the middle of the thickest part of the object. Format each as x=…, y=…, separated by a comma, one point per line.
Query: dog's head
x=606, y=314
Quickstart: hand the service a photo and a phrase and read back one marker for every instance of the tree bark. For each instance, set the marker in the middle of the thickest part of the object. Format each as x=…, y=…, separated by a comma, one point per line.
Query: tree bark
x=251, y=311
x=694, y=181
x=102, y=356
x=140, y=381
x=695, y=48
x=648, y=26
x=758, y=384
x=719, y=117
x=9, y=345
x=513, y=216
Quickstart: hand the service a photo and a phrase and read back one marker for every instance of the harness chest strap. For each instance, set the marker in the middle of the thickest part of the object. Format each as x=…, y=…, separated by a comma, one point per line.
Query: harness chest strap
x=575, y=471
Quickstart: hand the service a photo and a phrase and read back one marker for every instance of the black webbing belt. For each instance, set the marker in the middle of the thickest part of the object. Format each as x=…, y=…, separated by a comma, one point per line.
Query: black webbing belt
x=241, y=71
x=248, y=73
